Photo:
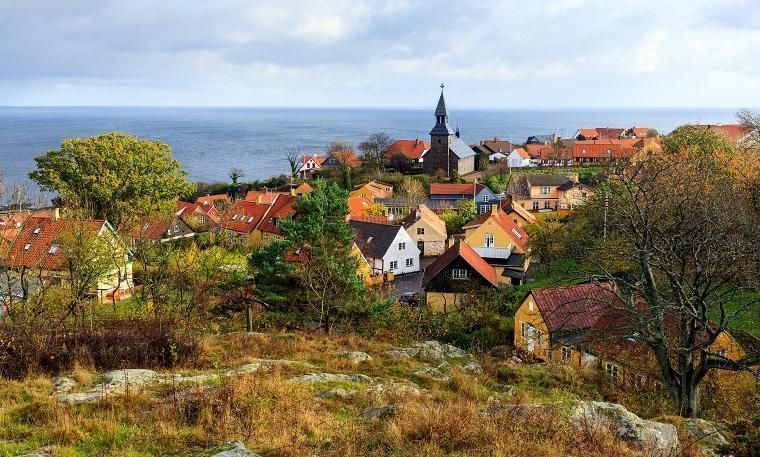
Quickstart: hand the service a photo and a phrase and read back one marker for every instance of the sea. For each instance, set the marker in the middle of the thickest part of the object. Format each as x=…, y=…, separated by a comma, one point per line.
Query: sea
x=211, y=141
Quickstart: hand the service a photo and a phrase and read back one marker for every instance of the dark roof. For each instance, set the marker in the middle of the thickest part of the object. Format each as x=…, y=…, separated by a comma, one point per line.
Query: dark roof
x=515, y=260
x=465, y=252
x=573, y=308
x=373, y=239
x=514, y=274
x=547, y=180
x=441, y=110
x=534, y=139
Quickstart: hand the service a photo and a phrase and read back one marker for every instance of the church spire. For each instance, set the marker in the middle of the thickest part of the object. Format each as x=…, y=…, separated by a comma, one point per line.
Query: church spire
x=441, y=117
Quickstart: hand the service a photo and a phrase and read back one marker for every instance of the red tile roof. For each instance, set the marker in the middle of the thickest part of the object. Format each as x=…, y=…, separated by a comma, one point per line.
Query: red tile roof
x=281, y=208
x=317, y=158
x=615, y=148
x=731, y=132
x=573, y=308
x=267, y=196
x=36, y=245
x=509, y=226
x=357, y=206
x=304, y=188
x=210, y=199
x=152, y=229
x=412, y=149
x=186, y=211
x=455, y=189
x=523, y=153
x=243, y=216
x=465, y=252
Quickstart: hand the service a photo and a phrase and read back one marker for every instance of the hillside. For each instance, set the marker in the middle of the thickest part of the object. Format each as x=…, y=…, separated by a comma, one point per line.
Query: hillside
x=299, y=394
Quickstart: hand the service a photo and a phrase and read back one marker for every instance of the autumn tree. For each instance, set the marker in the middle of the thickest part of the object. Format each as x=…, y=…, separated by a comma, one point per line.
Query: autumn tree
x=547, y=241
x=751, y=122
x=114, y=176
x=676, y=233
x=411, y=192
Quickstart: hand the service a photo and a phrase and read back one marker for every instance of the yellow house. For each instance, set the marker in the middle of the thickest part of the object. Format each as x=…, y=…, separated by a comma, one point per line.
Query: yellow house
x=573, y=194
x=372, y=190
x=553, y=325
x=427, y=230
x=502, y=243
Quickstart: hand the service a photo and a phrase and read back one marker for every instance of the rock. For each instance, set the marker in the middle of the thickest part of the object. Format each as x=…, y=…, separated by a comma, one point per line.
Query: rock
x=378, y=412
x=395, y=388
x=472, y=368
x=659, y=437
x=705, y=433
x=237, y=449
x=313, y=378
x=431, y=351
x=506, y=389
x=194, y=379
x=434, y=373
x=355, y=356
x=62, y=384
x=517, y=360
x=501, y=352
x=335, y=393
x=132, y=377
x=46, y=451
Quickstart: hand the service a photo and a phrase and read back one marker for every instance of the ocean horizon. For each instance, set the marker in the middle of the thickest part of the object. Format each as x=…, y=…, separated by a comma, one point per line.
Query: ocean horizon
x=211, y=140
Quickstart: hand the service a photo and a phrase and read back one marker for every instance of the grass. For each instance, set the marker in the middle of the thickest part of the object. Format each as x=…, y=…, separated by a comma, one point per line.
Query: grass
x=275, y=417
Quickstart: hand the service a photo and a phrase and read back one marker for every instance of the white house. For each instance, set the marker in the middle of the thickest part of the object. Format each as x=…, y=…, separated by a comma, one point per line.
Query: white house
x=519, y=158
x=310, y=164
x=497, y=156
x=387, y=248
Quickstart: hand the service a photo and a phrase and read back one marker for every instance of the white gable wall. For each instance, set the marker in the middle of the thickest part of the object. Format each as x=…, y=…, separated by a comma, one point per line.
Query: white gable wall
x=410, y=251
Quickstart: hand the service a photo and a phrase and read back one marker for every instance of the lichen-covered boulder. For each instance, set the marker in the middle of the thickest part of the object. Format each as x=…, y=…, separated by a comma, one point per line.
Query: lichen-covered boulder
x=314, y=378
x=236, y=449
x=355, y=356
x=705, y=433
x=378, y=412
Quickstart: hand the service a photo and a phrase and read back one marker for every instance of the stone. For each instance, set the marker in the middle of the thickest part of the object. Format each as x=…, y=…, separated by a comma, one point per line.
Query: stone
x=472, y=368
x=46, y=451
x=355, y=356
x=378, y=412
x=661, y=438
x=314, y=378
x=434, y=373
x=62, y=384
x=335, y=393
x=237, y=449
x=517, y=360
x=133, y=377
x=430, y=351
x=395, y=388
x=705, y=433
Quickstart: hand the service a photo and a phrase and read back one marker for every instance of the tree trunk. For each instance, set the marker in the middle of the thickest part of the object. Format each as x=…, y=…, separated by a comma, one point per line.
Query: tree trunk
x=687, y=400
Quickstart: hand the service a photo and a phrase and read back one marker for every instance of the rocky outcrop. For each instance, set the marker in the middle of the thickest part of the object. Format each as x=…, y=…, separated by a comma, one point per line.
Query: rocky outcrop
x=660, y=438
x=435, y=373
x=315, y=378
x=355, y=356
x=236, y=449
x=395, y=388
x=62, y=384
x=378, y=412
x=430, y=351
x=336, y=392
x=706, y=434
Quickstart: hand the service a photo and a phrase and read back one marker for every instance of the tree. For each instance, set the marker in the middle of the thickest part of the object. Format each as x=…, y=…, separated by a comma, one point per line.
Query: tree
x=751, y=123
x=374, y=149
x=343, y=152
x=377, y=210
x=653, y=133
x=328, y=272
x=547, y=240
x=411, y=192
x=676, y=233
x=455, y=219
x=294, y=161
x=235, y=174
x=114, y=176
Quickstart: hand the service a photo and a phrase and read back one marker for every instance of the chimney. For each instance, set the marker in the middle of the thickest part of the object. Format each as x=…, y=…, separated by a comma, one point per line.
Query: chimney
x=259, y=199
x=417, y=142
x=457, y=132
x=494, y=209
x=55, y=214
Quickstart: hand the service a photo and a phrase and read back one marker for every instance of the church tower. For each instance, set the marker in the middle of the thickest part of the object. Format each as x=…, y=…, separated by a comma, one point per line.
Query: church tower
x=440, y=142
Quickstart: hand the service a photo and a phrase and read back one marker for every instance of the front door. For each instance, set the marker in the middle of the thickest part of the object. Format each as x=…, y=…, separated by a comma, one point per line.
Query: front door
x=421, y=247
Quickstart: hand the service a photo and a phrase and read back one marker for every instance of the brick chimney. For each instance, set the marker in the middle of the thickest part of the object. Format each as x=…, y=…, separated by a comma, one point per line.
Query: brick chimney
x=494, y=209
x=55, y=214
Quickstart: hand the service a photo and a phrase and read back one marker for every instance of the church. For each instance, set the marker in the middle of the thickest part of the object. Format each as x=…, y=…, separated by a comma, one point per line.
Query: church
x=448, y=153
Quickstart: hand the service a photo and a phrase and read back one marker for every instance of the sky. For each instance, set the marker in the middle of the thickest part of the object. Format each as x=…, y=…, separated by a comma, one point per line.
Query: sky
x=490, y=54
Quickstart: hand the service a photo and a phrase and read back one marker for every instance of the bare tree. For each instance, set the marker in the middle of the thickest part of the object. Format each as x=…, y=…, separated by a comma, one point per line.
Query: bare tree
x=682, y=250
x=294, y=160
x=235, y=174
x=751, y=122
x=374, y=149
x=411, y=191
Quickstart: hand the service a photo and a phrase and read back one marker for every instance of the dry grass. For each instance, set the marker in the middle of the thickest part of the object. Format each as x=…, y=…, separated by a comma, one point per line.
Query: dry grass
x=275, y=417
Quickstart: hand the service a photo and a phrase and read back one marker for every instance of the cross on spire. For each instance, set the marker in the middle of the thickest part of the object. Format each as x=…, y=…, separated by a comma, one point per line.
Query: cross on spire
x=442, y=86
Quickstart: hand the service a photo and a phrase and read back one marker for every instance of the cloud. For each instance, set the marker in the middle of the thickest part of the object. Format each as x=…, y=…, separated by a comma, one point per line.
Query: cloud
x=491, y=53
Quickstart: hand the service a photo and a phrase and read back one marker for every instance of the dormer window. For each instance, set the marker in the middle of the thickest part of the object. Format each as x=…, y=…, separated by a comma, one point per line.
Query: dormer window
x=250, y=219
x=37, y=230
x=583, y=151
x=27, y=246
x=234, y=217
x=517, y=234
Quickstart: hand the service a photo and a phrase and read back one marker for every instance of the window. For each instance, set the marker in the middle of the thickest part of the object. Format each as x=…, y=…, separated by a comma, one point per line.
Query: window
x=524, y=329
x=410, y=262
x=530, y=306
x=517, y=234
x=250, y=219
x=483, y=209
x=27, y=246
x=485, y=198
x=609, y=152
x=584, y=195
x=401, y=246
x=394, y=265
x=547, y=205
x=37, y=230
x=566, y=354
x=612, y=371
x=488, y=240
x=535, y=206
x=420, y=230
x=721, y=352
x=53, y=249
x=583, y=151
x=545, y=190
x=459, y=273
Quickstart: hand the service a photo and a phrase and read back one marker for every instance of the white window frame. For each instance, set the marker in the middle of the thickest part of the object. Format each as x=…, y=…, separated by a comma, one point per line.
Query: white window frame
x=488, y=240
x=459, y=273
x=567, y=354
x=545, y=190
x=410, y=262
x=612, y=371
x=535, y=206
x=420, y=230
x=393, y=265
x=402, y=246
x=484, y=199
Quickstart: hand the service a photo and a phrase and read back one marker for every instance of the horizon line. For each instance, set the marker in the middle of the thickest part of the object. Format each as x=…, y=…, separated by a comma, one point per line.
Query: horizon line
x=410, y=108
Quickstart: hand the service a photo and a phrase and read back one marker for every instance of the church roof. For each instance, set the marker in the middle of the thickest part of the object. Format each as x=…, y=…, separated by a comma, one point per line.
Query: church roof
x=460, y=148
x=440, y=110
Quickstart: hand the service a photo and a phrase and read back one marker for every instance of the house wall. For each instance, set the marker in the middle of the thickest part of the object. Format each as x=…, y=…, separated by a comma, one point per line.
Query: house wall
x=464, y=165
x=574, y=197
x=435, y=242
x=484, y=205
x=525, y=314
x=394, y=254
x=445, y=302
x=475, y=237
